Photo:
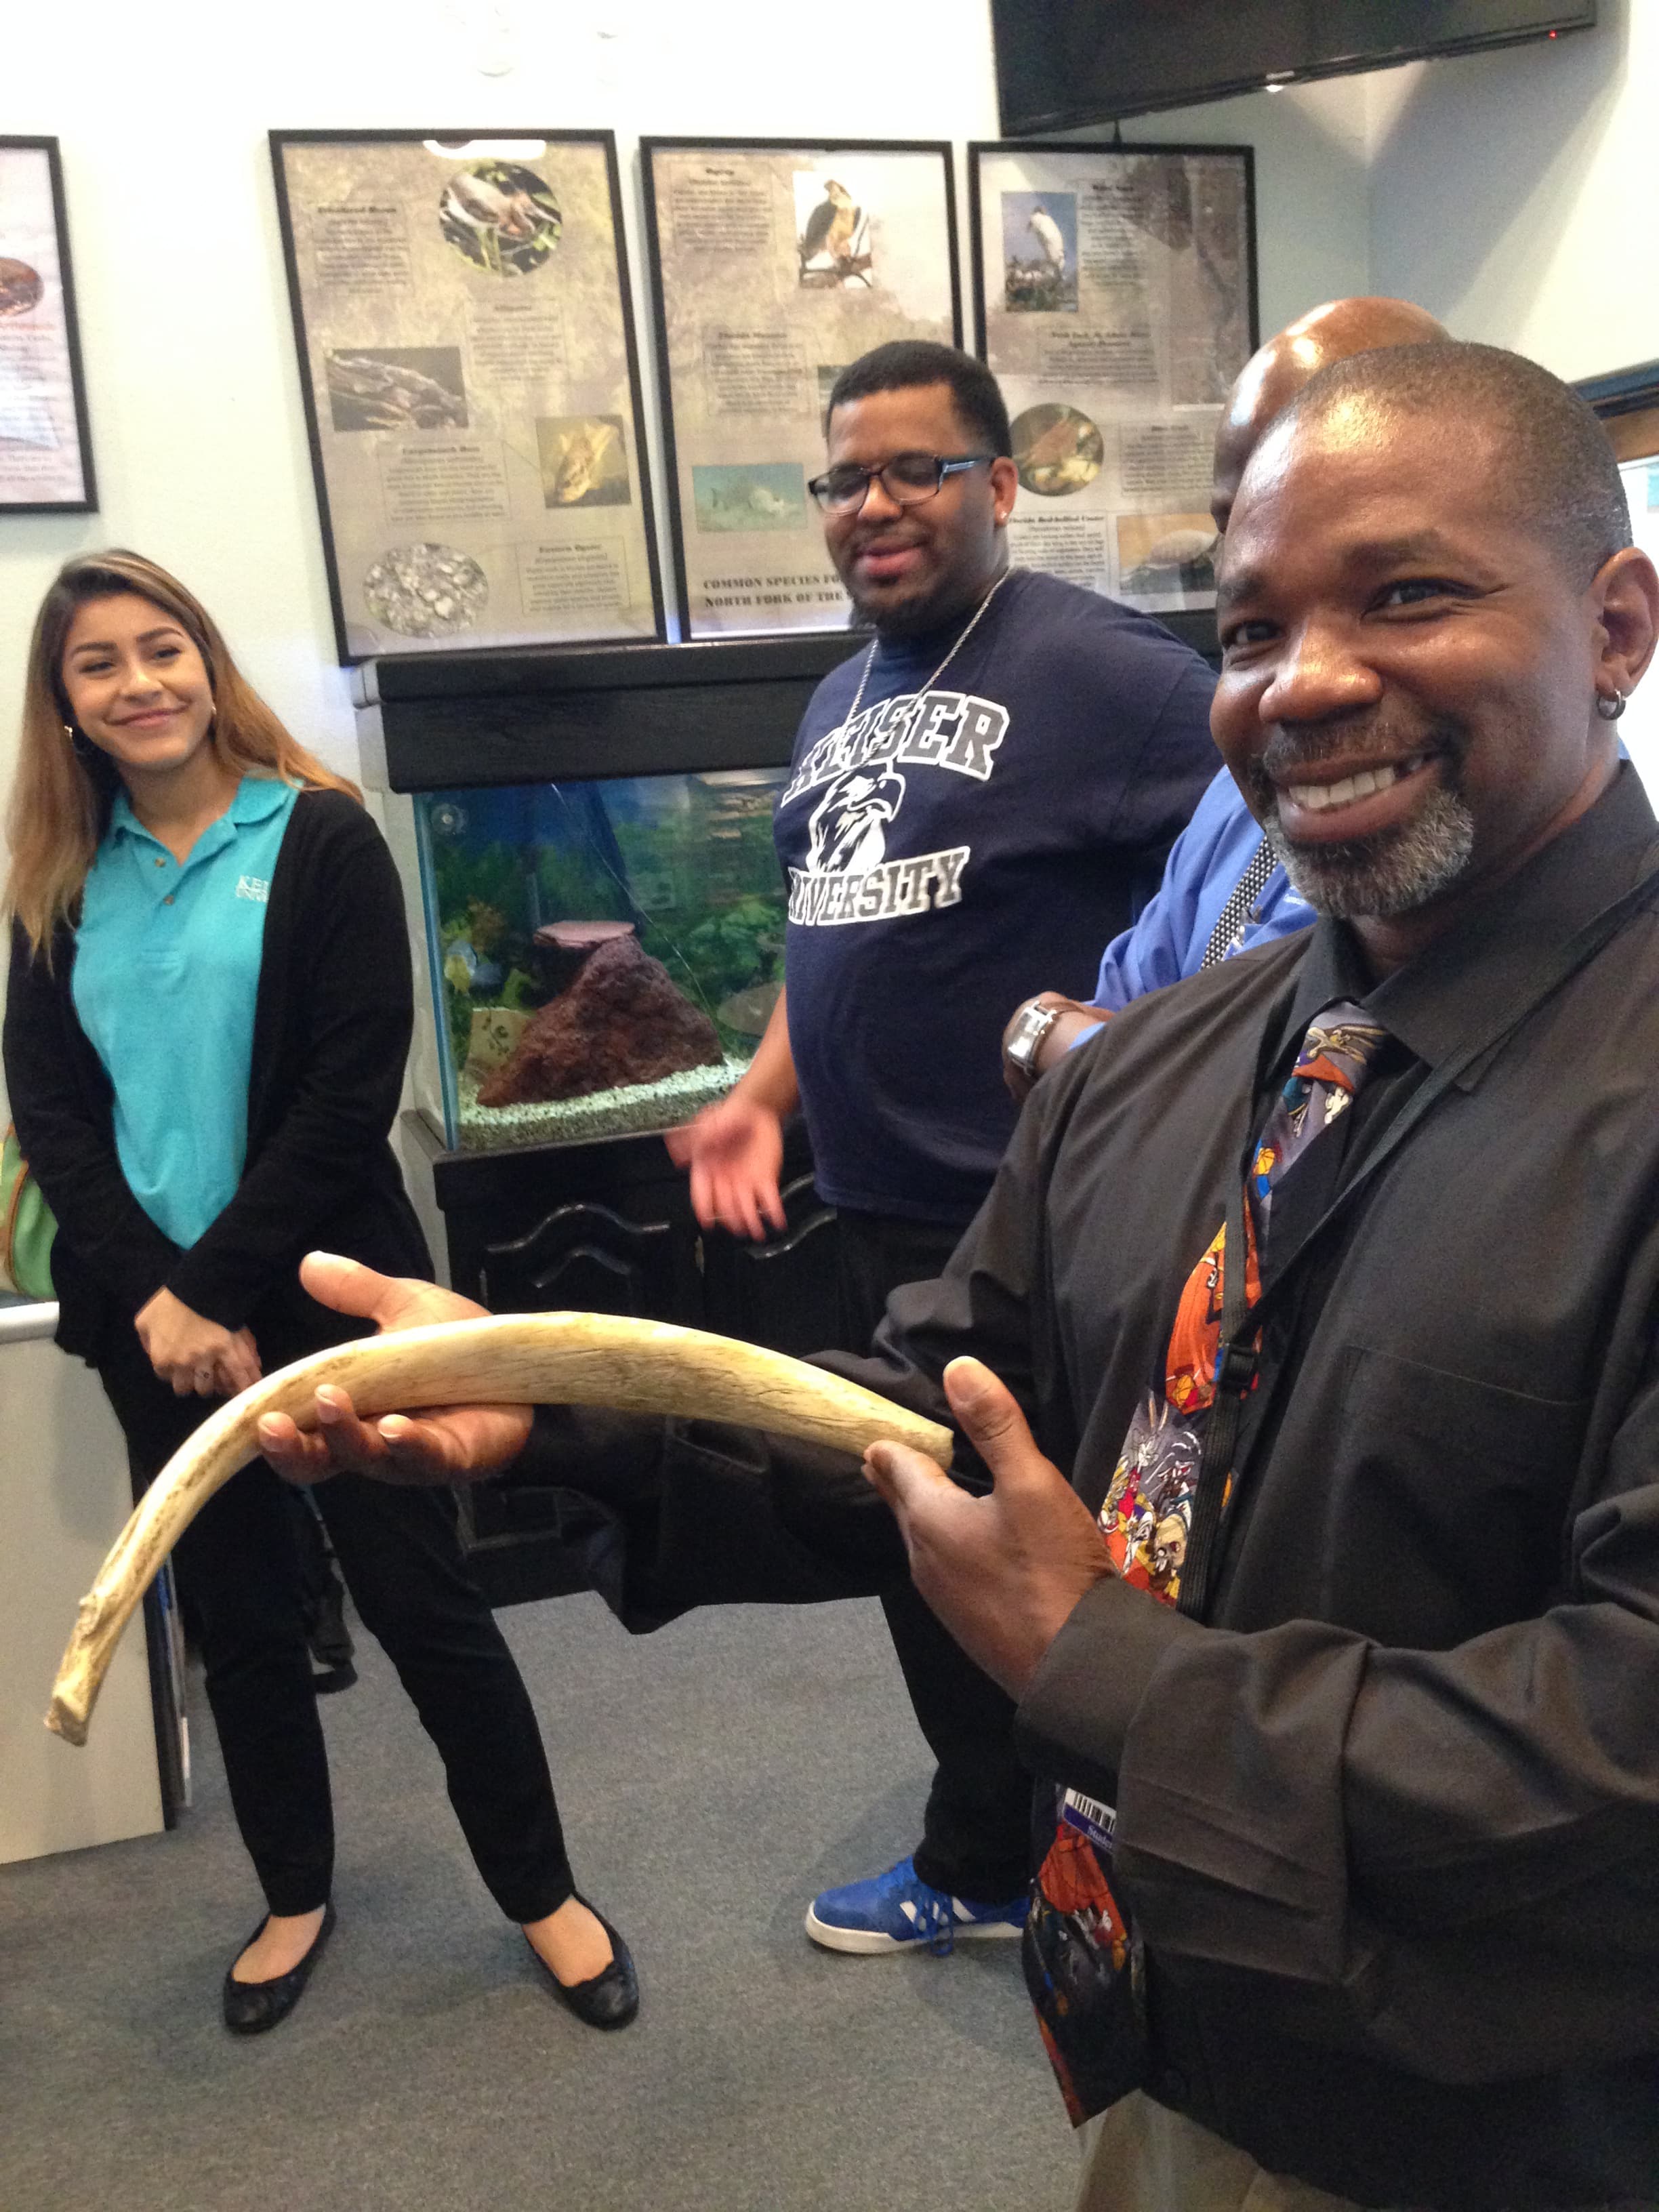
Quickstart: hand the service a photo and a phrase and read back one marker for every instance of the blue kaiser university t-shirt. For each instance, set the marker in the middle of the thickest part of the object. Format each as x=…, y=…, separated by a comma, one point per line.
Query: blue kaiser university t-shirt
x=167, y=972
x=956, y=846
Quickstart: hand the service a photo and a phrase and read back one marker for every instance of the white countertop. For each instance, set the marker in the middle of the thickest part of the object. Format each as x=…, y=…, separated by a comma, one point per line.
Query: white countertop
x=24, y=1321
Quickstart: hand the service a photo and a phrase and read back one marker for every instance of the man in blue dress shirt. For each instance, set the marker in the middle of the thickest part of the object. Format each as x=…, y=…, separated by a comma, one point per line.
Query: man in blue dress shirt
x=1222, y=891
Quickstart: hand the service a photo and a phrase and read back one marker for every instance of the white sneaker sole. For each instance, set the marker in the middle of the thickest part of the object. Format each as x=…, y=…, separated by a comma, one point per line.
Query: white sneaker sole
x=870, y=1942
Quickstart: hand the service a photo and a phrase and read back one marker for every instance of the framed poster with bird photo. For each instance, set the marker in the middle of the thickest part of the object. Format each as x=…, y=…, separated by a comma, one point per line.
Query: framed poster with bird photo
x=773, y=264
x=45, y=451
x=472, y=388
x=1114, y=299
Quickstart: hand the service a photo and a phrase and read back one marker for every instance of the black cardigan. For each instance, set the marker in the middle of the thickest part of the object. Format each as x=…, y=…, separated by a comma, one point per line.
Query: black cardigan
x=330, y=1034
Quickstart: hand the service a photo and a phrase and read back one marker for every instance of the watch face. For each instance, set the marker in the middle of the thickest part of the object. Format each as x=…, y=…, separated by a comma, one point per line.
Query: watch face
x=1034, y=1025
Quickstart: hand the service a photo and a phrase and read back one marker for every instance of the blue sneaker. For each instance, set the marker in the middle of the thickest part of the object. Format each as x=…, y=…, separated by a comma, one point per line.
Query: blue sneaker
x=898, y=1911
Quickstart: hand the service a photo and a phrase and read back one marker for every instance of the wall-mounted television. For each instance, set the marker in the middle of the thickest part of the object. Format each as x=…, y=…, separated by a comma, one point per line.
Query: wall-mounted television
x=1064, y=64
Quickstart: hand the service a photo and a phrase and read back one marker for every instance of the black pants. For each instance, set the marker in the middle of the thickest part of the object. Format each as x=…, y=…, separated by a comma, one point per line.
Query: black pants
x=398, y=1551
x=976, y=1833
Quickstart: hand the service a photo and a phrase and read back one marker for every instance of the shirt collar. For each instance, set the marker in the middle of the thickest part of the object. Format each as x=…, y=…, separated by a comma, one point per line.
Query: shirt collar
x=1506, y=940
x=257, y=798
x=899, y=656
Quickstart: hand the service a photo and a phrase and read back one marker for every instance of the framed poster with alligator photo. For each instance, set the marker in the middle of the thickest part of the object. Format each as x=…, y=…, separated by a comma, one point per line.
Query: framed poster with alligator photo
x=470, y=383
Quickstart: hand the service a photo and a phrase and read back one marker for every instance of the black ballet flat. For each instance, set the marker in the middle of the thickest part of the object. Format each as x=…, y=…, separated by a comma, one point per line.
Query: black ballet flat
x=251, y=2007
x=610, y=1999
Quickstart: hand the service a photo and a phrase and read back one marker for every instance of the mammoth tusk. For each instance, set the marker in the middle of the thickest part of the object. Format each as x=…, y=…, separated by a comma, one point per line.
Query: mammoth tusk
x=557, y=1358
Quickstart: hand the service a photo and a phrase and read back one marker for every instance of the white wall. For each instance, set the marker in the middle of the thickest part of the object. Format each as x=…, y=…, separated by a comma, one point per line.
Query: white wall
x=1312, y=198
x=1509, y=192
x=193, y=390
x=1514, y=193
x=198, y=435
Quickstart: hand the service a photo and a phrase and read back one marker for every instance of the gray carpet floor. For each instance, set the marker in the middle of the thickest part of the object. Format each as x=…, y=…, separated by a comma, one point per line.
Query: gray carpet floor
x=711, y=1778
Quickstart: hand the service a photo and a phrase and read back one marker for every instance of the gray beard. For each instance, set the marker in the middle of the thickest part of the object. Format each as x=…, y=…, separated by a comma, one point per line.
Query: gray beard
x=1389, y=873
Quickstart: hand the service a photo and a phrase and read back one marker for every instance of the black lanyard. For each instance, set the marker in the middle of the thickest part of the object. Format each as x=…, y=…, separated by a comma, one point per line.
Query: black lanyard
x=1241, y=1322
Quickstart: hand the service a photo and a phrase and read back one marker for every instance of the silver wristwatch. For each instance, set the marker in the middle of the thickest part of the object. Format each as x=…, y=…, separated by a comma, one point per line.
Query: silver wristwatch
x=1033, y=1025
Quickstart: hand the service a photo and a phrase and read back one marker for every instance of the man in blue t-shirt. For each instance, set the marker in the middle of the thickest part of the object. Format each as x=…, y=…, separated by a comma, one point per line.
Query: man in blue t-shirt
x=976, y=799
x=985, y=784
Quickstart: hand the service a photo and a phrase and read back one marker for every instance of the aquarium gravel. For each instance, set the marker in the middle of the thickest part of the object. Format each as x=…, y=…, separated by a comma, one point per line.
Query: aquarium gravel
x=631, y=1111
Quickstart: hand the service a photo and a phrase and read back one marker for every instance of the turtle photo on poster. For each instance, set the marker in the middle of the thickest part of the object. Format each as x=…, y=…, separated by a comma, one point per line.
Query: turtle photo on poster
x=468, y=368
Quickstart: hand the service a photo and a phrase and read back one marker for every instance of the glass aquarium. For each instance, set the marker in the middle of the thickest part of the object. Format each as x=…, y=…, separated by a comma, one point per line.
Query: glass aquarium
x=603, y=956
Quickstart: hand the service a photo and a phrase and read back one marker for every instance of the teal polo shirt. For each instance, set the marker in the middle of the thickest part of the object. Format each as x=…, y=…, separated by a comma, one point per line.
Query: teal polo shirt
x=167, y=971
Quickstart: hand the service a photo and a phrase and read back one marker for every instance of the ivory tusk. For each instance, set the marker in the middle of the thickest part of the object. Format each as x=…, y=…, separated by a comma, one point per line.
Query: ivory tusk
x=556, y=1358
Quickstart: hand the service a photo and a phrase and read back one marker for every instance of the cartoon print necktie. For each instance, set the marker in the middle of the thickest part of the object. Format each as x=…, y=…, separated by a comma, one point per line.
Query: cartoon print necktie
x=1079, y=1953
x=1166, y=1440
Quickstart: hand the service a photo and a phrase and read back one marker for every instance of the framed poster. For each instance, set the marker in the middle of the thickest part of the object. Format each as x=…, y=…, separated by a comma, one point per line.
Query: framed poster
x=45, y=451
x=1115, y=300
x=471, y=386
x=773, y=264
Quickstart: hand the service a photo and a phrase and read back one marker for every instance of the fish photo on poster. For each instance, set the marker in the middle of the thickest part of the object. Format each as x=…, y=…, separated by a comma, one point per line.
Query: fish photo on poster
x=752, y=496
x=584, y=460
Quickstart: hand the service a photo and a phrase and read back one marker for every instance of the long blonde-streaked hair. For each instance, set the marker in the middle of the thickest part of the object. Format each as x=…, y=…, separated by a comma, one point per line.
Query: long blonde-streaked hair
x=61, y=795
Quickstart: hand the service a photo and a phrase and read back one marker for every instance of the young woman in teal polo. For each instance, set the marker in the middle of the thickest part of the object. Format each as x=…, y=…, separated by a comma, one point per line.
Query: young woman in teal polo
x=209, y=1012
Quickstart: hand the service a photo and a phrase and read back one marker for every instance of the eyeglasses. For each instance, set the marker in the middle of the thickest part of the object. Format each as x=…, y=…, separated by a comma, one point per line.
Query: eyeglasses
x=907, y=479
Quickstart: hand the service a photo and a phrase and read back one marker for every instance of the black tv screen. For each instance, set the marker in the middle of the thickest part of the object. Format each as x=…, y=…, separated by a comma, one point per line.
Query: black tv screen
x=1061, y=63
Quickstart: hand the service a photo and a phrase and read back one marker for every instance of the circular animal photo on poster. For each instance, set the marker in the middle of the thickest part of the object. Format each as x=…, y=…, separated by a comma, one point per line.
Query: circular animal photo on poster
x=426, y=591
x=501, y=216
x=1057, y=450
x=20, y=287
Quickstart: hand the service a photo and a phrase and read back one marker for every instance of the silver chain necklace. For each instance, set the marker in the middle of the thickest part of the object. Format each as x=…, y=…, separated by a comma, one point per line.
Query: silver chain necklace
x=870, y=657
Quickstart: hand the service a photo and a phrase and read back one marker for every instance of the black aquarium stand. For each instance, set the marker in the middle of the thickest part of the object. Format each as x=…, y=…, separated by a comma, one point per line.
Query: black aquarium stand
x=607, y=1227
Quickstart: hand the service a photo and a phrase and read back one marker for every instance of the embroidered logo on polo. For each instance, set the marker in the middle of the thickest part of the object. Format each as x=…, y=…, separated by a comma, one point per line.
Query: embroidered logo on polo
x=847, y=877
x=256, y=888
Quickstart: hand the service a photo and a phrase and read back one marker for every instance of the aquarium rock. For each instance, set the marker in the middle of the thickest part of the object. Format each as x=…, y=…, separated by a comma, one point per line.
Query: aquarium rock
x=495, y=1032
x=621, y=1021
